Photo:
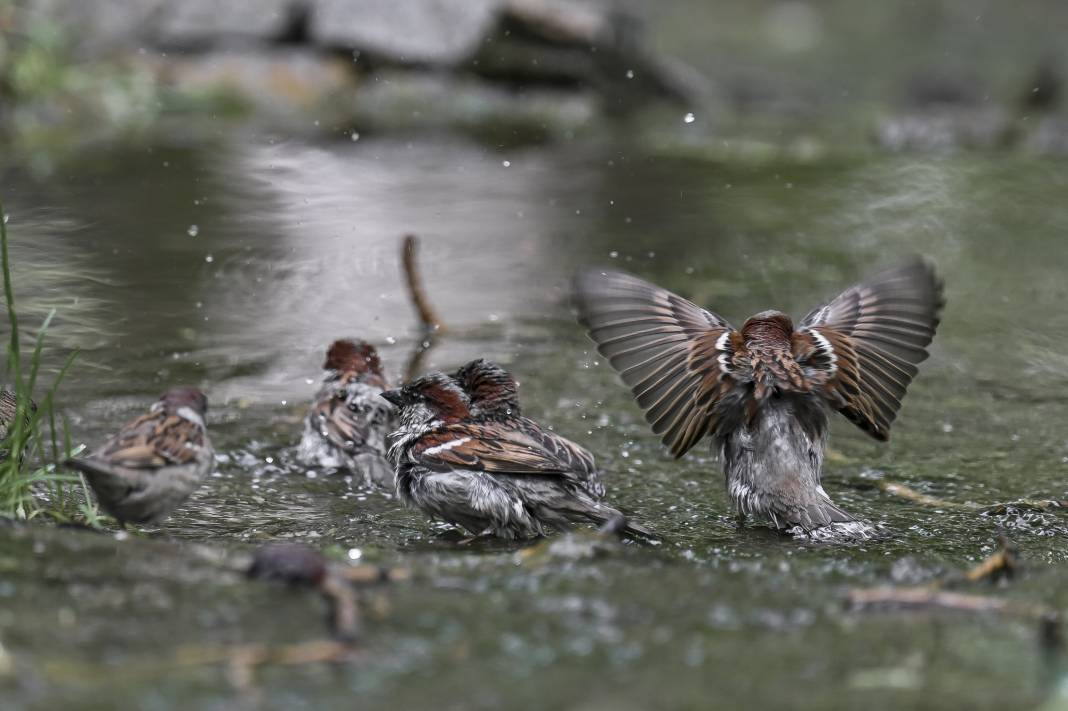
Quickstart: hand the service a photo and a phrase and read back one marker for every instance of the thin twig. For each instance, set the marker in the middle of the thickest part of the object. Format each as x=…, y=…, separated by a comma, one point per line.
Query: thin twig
x=430, y=324
x=243, y=660
x=905, y=492
x=413, y=278
x=1002, y=563
x=371, y=574
x=922, y=597
x=344, y=613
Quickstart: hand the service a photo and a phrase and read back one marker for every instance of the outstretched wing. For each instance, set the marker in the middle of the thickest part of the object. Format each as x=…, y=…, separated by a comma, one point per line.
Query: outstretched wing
x=675, y=356
x=864, y=345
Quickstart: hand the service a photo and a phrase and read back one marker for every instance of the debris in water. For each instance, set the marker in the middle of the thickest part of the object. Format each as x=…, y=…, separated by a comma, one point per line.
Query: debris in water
x=1003, y=564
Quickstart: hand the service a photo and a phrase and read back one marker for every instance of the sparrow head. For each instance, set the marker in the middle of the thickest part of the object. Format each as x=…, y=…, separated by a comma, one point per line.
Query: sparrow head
x=768, y=328
x=492, y=389
x=349, y=355
x=180, y=397
x=435, y=392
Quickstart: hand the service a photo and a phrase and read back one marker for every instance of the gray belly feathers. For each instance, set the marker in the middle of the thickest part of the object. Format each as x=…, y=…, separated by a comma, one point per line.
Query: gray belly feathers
x=773, y=465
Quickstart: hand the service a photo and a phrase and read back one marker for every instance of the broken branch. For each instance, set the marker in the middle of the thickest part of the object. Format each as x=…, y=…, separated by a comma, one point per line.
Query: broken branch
x=413, y=278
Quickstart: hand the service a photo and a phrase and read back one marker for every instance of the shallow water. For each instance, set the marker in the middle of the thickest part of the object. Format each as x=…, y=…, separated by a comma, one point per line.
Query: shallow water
x=297, y=243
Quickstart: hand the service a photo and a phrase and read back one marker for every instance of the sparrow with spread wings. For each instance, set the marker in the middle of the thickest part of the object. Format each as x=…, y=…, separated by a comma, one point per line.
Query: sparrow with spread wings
x=475, y=462
x=762, y=392
x=346, y=428
x=146, y=470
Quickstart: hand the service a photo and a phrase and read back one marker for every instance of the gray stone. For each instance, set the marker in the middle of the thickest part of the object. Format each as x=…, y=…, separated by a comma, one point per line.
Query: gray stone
x=415, y=101
x=283, y=84
x=194, y=23
x=945, y=131
x=436, y=32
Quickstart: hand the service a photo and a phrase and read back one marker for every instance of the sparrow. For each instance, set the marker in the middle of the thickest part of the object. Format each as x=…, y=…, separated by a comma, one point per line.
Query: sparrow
x=762, y=393
x=507, y=478
x=8, y=413
x=346, y=428
x=494, y=397
x=146, y=470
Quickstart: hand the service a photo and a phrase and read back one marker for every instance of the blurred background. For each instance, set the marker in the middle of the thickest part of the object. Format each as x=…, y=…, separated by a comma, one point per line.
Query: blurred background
x=211, y=192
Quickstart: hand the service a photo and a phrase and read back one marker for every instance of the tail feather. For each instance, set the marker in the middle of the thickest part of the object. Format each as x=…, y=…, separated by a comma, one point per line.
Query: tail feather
x=106, y=482
x=615, y=522
x=827, y=512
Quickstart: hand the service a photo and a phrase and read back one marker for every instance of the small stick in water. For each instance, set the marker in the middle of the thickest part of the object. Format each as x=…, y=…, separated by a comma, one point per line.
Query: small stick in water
x=431, y=325
x=427, y=316
x=900, y=490
x=1002, y=564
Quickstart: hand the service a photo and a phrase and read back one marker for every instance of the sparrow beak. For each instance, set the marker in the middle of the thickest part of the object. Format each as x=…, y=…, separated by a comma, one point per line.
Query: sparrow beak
x=395, y=397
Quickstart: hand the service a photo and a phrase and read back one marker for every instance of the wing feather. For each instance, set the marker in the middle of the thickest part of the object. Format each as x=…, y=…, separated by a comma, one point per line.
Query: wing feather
x=666, y=349
x=496, y=449
x=864, y=345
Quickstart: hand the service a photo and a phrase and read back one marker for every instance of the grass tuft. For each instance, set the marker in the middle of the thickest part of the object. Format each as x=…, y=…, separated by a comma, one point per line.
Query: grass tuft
x=37, y=440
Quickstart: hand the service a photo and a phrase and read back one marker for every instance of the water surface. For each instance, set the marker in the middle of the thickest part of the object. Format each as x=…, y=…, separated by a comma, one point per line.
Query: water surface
x=297, y=243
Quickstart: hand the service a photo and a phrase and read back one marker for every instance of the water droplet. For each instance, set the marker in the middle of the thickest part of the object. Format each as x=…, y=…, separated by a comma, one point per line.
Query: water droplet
x=630, y=74
x=355, y=136
x=209, y=259
x=613, y=254
x=355, y=554
x=947, y=427
x=390, y=340
x=193, y=231
x=506, y=163
x=7, y=218
x=688, y=118
x=269, y=460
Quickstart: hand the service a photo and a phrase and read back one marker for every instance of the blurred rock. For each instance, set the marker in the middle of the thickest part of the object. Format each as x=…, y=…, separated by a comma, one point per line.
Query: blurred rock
x=292, y=563
x=943, y=88
x=947, y=130
x=513, y=70
x=417, y=32
x=1043, y=92
x=197, y=24
x=408, y=101
x=282, y=83
x=1048, y=138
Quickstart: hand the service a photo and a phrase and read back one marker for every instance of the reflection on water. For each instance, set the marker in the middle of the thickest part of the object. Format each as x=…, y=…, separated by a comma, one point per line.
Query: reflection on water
x=297, y=244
